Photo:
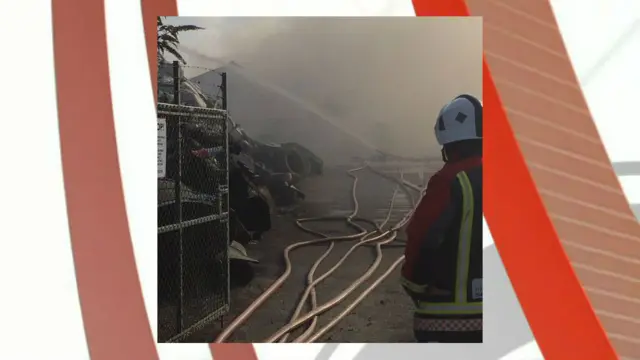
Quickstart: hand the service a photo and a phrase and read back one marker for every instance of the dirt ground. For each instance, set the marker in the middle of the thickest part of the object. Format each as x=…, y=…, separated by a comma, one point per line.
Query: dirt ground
x=384, y=316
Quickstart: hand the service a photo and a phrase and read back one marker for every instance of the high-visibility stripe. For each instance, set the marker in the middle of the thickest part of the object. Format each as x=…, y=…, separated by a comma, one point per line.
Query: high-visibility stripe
x=449, y=308
x=464, y=242
x=461, y=306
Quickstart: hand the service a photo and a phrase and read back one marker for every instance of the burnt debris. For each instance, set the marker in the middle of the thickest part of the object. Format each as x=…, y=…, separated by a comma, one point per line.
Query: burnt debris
x=262, y=176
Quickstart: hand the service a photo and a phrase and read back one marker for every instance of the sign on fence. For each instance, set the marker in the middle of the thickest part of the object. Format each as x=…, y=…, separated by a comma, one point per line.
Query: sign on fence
x=162, y=147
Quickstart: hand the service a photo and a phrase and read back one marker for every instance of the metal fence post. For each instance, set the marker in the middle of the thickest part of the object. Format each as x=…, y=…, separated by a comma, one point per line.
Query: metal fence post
x=223, y=88
x=178, y=191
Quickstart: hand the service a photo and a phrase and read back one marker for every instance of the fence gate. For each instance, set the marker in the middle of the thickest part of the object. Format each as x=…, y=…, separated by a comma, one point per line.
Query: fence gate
x=193, y=219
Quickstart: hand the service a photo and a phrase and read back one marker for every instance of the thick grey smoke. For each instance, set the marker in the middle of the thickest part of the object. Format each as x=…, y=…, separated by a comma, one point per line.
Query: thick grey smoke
x=383, y=79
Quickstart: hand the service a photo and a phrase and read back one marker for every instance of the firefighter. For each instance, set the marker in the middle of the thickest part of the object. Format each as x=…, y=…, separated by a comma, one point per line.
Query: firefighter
x=443, y=268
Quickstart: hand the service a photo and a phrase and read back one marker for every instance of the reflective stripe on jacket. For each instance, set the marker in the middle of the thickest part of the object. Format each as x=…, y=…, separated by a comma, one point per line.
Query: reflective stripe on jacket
x=443, y=268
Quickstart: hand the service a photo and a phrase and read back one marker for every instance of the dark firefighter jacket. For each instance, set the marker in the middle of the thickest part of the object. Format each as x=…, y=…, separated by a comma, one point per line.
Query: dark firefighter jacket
x=443, y=257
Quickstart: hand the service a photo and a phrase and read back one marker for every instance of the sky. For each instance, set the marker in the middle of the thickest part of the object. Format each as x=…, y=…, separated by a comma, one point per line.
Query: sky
x=388, y=74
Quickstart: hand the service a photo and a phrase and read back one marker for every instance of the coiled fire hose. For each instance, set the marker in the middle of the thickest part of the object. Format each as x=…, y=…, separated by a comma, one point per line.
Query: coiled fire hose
x=377, y=237
x=305, y=337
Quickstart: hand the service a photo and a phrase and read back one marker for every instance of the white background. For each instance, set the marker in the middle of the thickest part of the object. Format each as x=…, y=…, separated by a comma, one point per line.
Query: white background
x=590, y=28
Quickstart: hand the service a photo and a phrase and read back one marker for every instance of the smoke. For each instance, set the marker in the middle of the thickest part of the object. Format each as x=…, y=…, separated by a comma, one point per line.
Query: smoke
x=383, y=79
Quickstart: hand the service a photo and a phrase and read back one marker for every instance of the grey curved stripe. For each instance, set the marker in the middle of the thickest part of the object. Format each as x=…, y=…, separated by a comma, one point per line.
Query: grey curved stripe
x=609, y=54
x=629, y=168
x=326, y=351
x=505, y=329
x=626, y=168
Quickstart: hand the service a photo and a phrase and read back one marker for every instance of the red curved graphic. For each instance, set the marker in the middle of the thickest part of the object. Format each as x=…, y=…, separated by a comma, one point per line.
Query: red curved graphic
x=557, y=309
x=115, y=320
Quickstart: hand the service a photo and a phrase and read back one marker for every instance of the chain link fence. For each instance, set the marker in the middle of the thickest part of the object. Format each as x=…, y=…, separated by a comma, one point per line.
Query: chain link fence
x=193, y=215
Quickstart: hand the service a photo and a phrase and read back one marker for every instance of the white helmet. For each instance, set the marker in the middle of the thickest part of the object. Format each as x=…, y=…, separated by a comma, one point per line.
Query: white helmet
x=460, y=119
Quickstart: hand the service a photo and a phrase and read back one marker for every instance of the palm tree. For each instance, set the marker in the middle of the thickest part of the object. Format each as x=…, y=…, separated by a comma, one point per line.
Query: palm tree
x=168, y=40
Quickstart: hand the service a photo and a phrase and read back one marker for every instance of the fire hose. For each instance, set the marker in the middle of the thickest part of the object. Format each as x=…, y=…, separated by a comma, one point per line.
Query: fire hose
x=377, y=238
